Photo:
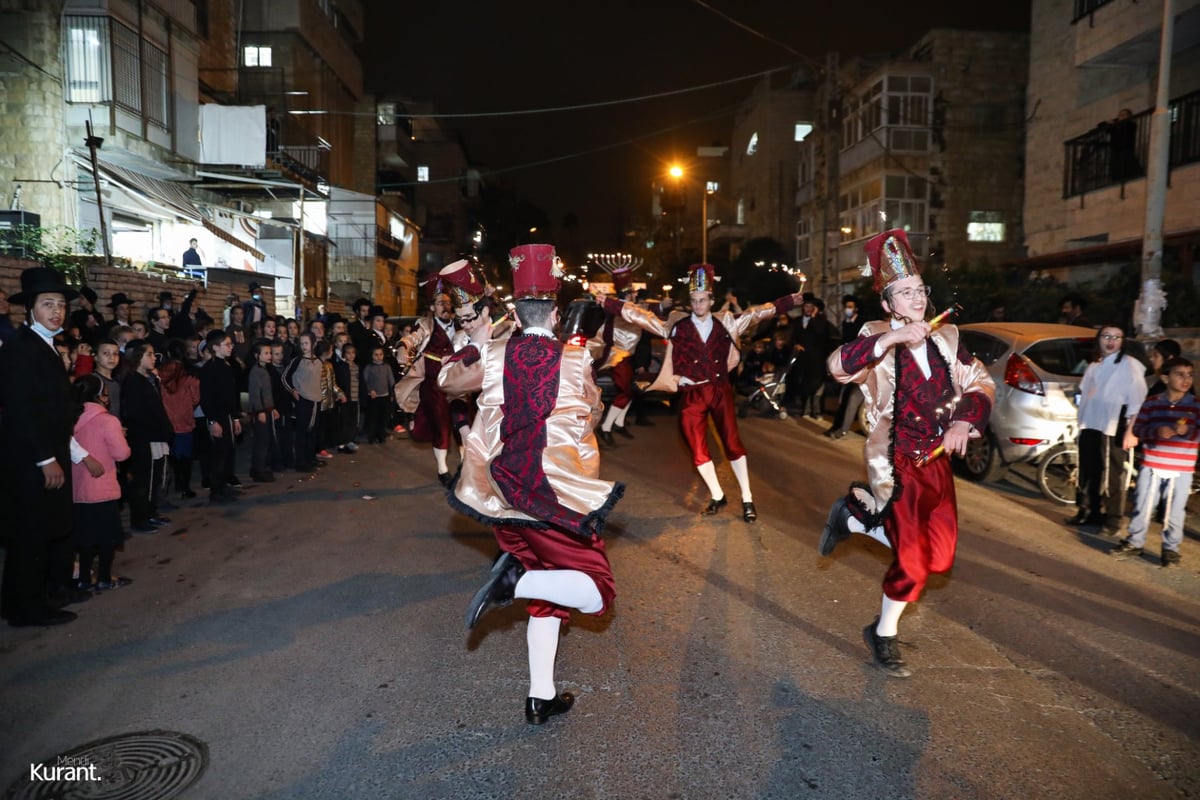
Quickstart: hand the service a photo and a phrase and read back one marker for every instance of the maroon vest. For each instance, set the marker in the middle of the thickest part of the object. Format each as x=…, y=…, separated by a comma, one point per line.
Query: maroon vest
x=923, y=406
x=698, y=360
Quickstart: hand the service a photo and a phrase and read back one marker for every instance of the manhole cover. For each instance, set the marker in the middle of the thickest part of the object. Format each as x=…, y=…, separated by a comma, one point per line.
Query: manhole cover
x=151, y=765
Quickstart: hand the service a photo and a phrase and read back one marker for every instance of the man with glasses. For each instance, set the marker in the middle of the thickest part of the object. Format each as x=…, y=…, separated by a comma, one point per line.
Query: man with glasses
x=1111, y=392
x=926, y=396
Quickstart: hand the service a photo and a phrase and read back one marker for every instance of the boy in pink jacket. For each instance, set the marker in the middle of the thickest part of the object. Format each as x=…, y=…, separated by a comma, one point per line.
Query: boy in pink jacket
x=97, y=531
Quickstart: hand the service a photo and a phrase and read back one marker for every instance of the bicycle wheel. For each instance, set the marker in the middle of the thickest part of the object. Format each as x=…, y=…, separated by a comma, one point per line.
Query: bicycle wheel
x=1058, y=472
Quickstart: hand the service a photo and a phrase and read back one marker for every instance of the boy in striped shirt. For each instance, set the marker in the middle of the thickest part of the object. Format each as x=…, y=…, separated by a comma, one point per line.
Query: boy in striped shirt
x=1168, y=425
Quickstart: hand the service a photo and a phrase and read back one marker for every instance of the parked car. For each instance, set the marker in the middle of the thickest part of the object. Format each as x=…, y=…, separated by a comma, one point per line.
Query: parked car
x=1037, y=368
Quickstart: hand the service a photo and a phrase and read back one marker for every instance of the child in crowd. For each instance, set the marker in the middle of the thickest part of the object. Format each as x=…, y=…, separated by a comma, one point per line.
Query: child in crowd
x=346, y=373
x=331, y=398
x=108, y=360
x=1168, y=426
x=97, y=530
x=180, y=397
x=261, y=405
x=302, y=378
x=285, y=422
x=379, y=381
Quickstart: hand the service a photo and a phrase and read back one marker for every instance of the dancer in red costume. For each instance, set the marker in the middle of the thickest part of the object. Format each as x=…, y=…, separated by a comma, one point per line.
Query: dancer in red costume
x=530, y=471
x=427, y=346
x=703, y=350
x=923, y=403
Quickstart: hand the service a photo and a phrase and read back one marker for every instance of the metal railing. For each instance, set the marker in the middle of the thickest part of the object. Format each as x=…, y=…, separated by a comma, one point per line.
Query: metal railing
x=1085, y=8
x=1115, y=151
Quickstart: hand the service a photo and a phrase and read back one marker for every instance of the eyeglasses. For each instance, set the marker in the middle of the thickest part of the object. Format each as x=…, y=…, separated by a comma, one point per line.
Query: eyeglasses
x=1109, y=337
x=911, y=293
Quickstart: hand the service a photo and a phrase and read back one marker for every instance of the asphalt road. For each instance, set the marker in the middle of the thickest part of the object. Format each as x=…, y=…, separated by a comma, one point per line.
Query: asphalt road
x=311, y=640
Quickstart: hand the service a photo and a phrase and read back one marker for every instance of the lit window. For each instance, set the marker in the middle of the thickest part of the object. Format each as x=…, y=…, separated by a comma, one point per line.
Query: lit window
x=752, y=146
x=422, y=174
x=256, y=56
x=986, y=226
x=712, y=186
x=803, y=129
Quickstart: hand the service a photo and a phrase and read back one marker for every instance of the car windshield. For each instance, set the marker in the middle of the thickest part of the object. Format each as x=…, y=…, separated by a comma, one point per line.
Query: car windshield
x=1067, y=356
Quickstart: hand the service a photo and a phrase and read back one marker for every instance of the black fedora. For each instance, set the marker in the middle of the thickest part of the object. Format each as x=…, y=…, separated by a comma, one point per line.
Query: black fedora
x=41, y=280
x=118, y=299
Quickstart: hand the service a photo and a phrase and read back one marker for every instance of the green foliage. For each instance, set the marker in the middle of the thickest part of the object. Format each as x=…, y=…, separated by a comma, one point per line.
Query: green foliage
x=60, y=246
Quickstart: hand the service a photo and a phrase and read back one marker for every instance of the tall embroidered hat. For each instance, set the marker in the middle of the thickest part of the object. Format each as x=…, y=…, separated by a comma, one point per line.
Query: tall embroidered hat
x=701, y=278
x=535, y=270
x=890, y=258
x=462, y=283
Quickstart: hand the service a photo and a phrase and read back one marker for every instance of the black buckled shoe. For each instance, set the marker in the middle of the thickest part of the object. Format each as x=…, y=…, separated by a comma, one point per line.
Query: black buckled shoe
x=886, y=652
x=445, y=478
x=714, y=506
x=621, y=429
x=1078, y=519
x=606, y=437
x=497, y=590
x=749, y=512
x=837, y=529
x=537, y=711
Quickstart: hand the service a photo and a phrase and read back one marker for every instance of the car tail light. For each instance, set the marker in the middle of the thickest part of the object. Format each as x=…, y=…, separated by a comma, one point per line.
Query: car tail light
x=1026, y=442
x=1019, y=375
x=579, y=340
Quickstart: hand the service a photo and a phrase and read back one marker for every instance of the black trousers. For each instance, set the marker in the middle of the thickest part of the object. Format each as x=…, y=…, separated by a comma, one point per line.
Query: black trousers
x=219, y=456
x=145, y=484
x=265, y=448
x=306, y=433
x=284, y=456
x=1094, y=449
x=37, y=536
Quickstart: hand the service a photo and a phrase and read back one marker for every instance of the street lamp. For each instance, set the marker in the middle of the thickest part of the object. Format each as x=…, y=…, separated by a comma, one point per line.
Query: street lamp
x=676, y=172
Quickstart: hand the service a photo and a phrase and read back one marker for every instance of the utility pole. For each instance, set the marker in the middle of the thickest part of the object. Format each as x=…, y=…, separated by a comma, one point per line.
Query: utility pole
x=1152, y=300
x=93, y=144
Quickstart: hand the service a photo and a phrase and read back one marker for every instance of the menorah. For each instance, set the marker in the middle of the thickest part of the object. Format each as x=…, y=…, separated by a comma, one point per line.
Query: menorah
x=615, y=262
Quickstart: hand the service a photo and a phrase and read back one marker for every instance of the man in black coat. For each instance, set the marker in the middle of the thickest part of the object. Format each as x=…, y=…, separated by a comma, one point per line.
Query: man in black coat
x=360, y=332
x=811, y=338
x=852, y=396
x=222, y=413
x=35, y=454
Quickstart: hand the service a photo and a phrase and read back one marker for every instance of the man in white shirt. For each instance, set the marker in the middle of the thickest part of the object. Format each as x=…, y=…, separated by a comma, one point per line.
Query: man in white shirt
x=1110, y=394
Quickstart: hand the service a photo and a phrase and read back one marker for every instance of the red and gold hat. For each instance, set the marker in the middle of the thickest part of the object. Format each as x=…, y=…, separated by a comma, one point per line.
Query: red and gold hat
x=462, y=283
x=701, y=278
x=535, y=270
x=890, y=258
x=620, y=268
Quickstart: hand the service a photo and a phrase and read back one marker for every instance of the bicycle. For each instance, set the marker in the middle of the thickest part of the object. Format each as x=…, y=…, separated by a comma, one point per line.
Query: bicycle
x=1058, y=473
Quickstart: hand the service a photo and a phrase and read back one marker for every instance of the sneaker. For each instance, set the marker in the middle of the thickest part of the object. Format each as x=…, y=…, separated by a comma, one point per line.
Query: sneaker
x=886, y=652
x=1170, y=557
x=352, y=447
x=1124, y=549
x=325, y=454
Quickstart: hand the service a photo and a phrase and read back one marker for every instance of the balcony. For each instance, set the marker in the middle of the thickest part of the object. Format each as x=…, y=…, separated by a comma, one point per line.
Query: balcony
x=1113, y=154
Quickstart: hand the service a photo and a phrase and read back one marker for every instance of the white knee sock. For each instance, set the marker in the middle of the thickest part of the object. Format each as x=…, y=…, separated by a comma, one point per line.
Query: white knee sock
x=609, y=418
x=742, y=472
x=565, y=587
x=709, y=473
x=439, y=455
x=875, y=533
x=621, y=416
x=542, y=639
x=889, y=616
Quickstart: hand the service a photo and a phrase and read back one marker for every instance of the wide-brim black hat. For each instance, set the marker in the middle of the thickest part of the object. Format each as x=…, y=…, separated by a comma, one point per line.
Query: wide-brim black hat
x=118, y=299
x=41, y=280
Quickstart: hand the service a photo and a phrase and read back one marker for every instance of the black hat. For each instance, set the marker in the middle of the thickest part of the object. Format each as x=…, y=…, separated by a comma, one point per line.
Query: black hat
x=118, y=299
x=165, y=295
x=41, y=280
x=254, y=287
x=377, y=311
x=89, y=294
x=362, y=301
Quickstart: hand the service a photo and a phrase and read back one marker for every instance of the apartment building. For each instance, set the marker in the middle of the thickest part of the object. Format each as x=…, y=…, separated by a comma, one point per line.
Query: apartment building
x=1094, y=69
x=929, y=140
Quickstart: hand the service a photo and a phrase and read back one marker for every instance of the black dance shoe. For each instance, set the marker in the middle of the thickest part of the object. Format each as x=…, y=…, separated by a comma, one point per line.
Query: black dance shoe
x=606, y=437
x=886, y=652
x=749, y=512
x=714, y=506
x=497, y=590
x=836, y=529
x=537, y=711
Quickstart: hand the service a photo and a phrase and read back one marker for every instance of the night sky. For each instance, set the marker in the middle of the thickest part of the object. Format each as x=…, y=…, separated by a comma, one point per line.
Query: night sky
x=503, y=57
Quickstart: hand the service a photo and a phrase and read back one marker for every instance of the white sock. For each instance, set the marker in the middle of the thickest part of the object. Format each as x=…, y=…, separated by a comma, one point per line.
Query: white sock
x=564, y=587
x=709, y=473
x=609, y=418
x=889, y=616
x=439, y=455
x=621, y=416
x=742, y=472
x=541, y=637
x=875, y=533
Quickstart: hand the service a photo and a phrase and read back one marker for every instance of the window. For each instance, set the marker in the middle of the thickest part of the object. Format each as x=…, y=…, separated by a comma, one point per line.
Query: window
x=154, y=74
x=894, y=101
x=712, y=186
x=804, y=169
x=860, y=209
x=88, y=60
x=127, y=78
x=906, y=202
x=803, y=239
x=987, y=349
x=803, y=129
x=752, y=145
x=256, y=56
x=385, y=114
x=422, y=174
x=986, y=226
